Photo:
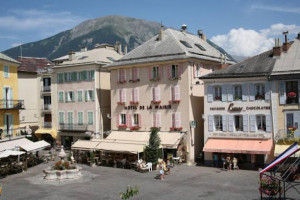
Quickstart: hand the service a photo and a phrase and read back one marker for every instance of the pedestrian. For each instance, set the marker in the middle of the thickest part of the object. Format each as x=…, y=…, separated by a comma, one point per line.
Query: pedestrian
x=161, y=171
x=224, y=162
x=168, y=166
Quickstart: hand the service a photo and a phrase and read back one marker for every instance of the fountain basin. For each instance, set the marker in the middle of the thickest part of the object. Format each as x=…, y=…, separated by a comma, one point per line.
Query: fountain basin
x=52, y=174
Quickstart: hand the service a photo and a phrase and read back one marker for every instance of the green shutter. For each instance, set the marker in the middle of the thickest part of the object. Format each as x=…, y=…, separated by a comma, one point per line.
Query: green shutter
x=93, y=95
x=66, y=77
x=90, y=118
x=73, y=96
x=79, y=96
x=11, y=123
x=84, y=75
x=5, y=129
x=93, y=75
x=86, y=95
x=66, y=96
x=74, y=76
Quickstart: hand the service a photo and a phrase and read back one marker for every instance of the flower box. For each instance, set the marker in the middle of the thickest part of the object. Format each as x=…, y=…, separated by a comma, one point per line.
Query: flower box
x=122, y=126
x=154, y=127
x=217, y=98
x=134, y=80
x=270, y=186
x=120, y=103
x=259, y=97
x=134, y=102
x=174, y=101
x=121, y=82
x=175, y=78
x=155, y=79
x=155, y=102
x=175, y=128
x=135, y=128
x=291, y=95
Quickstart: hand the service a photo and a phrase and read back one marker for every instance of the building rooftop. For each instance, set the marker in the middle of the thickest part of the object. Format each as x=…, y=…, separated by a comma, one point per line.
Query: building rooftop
x=33, y=64
x=174, y=45
x=259, y=65
x=7, y=58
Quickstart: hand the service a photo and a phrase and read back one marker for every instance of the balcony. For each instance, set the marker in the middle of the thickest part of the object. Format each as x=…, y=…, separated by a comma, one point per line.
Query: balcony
x=46, y=107
x=12, y=132
x=288, y=135
x=46, y=89
x=12, y=105
x=47, y=125
x=73, y=127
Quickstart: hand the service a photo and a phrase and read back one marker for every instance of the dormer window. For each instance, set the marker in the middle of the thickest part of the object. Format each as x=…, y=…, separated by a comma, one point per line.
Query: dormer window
x=185, y=43
x=217, y=93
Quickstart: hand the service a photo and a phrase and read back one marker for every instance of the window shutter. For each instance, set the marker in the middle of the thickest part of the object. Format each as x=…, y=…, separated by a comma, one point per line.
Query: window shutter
x=201, y=67
x=153, y=94
x=86, y=95
x=93, y=74
x=160, y=72
x=158, y=120
x=245, y=92
x=267, y=91
x=120, y=95
x=140, y=120
x=124, y=75
x=73, y=96
x=136, y=94
x=224, y=122
x=177, y=93
x=118, y=120
x=245, y=123
x=224, y=93
x=173, y=93
x=210, y=93
x=194, y=70
x=11, y=98
x=210, y=123
x=299, y=91
x=4, y=97
x=180, y=68
x=66, y=77
x=252, y=123
x=282, y=92
x=177, y=120
x=173, y=120
x=169, y=71
x=230, y=92
x=157, y=93
x=268, y=123
x=11, y=123
x=123, y=95
x=131, y=75
x=66, y=96
x=5, y=125
x=230, y=123
x=251, y=92
x=150, y=73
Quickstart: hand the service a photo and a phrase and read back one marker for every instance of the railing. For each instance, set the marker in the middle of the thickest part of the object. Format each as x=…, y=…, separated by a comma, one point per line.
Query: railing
x=46, y=107
x=46, y=88
x=47, y=125
x=12, y=104
x=285, y=134
x=73, y=127
x=12, y=132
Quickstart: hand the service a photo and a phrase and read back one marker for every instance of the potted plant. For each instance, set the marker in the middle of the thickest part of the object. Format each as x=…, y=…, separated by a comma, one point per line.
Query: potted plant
x=291, y=95
x=218, y=98
x=270, y=186
x=120, y=103
x=122, y=126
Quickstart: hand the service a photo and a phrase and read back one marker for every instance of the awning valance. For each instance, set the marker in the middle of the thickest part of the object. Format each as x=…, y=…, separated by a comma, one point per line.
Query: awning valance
x=8, y=153
x=238, y=146
x=170, y=140
x=36, y=146
x=85, y=145
x=12, y=144
x=52, y=132
x=279, y=148
x=125, y=147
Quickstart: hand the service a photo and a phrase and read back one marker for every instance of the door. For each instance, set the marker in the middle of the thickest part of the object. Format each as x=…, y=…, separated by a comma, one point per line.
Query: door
x=47, y=121
x=8, y=125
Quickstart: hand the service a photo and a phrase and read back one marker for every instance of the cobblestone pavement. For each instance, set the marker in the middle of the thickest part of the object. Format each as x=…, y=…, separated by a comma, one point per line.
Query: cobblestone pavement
x=185, y=182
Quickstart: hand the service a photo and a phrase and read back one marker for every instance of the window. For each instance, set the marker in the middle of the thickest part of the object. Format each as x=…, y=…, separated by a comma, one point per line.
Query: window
x=80, y=118
x=176, y=94
x=74, y=76
x=198, y=70
x=156, y=120
x=134, y=74
x=261, y=122
x=135, y=121
x=68, y=77
x=217, y=93
x=155, y=73
x=200, y=47
x=135, y=95
x=176, y=121
x=121, y=76
x=60, y=97
x=238, y=122
x=291, y=92
x=91, y=75
x=122, y=96
x=259, y=92
x=156, y=95
x=237, y=89
x=174, y=71
x=185, y=43
x=83, y=76
x=292, y=123
x=6, y=71
x=79, y=96
x=218, y=122
x=89, y=95
x=70, y=96
x=61, y=117
x=122, y=119
x=8, y=124
x=90, y=118
x=60, y=78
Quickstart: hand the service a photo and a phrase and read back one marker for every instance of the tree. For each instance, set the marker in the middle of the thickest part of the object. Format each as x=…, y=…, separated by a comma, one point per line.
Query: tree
x=152, y=151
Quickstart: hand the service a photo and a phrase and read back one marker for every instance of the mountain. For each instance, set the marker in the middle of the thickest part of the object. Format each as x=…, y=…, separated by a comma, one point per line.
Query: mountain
x=109, y=29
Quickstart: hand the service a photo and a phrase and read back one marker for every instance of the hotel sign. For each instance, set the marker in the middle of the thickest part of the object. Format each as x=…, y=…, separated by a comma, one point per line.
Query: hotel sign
x=232, y=108
x=155, y=107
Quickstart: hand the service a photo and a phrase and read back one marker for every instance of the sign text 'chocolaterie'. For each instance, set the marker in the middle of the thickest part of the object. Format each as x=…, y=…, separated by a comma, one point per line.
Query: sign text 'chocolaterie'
x=161, y=107
x=232, y=108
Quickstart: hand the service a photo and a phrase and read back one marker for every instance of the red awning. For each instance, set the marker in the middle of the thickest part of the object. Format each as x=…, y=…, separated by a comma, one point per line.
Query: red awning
x=238, y=146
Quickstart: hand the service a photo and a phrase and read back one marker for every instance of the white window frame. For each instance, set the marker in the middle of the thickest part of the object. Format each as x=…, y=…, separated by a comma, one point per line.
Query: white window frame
x=198, y=70
x=216, y=119
x=239, y=91
x=261, y=116
x=175, y=69
x=123, y=118
x=240, y=121
x=135, y=116
x=259, y=89
x=155, y=72
x=217, y=89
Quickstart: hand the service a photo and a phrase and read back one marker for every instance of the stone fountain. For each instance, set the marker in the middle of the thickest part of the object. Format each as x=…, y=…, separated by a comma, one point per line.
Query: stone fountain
x=62, y=169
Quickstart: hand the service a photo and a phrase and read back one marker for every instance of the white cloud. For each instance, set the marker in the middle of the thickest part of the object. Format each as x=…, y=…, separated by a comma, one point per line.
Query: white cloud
x=242, y=42
x=278, y=9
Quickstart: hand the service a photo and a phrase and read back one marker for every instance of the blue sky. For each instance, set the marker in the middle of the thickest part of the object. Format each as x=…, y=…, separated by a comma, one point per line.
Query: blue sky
x=241, y=27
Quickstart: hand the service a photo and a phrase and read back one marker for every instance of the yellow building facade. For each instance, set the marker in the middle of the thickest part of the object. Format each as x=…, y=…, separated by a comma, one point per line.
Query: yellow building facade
x=9, y=103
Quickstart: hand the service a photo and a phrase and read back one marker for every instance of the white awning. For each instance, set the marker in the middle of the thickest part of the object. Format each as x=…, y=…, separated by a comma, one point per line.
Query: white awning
x=12, y=144
x=85, y=145
x=170, y=140
x=8, y=153
x=36, y=146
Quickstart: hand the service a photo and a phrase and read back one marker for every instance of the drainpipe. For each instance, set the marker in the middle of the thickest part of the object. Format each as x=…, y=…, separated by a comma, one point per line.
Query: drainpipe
x=100, y=105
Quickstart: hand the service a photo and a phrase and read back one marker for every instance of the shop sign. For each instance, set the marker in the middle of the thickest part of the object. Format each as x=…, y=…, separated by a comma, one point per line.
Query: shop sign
x=150, y=107
x=232, y=108
x=193, y=124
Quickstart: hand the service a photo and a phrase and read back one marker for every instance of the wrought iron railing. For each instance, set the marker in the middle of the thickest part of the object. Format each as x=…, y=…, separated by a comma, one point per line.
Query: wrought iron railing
x=12, y=104
x=73, y=127
x=46, y=107
x=12, y=132
x=47, y=125
x=46, y=88
x=286, y=134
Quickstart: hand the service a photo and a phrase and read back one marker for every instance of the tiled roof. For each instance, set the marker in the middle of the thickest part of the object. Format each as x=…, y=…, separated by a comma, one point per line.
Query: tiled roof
x=32, y=64
x=6, y=58
x=170, y=47
x=288, y=62
x=259, y=65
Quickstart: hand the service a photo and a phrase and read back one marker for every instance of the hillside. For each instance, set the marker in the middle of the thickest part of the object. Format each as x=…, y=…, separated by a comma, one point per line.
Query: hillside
x=109, y=29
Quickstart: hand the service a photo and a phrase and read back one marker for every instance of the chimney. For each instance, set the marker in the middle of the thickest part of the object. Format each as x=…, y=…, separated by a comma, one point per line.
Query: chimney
x=160, y=35
x=118, y=47
x=71, y=55
x=183, y=28
x=201, y=35
x=125, y=49
x=277, y=49
x=83, y=49
x=286, y=45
